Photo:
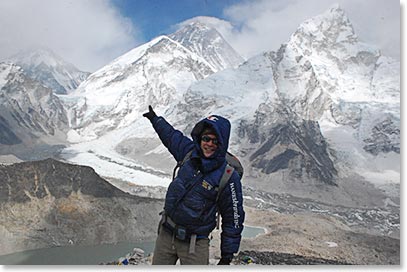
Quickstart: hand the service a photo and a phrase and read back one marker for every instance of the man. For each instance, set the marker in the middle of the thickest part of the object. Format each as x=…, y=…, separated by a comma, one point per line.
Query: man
x=190, y=203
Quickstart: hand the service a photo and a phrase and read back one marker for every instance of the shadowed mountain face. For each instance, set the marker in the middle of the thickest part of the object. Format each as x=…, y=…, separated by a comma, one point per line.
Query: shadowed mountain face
x=24, y=181
x=50, y=203
x=283, y=141
x=305, y=151
x=7, y=136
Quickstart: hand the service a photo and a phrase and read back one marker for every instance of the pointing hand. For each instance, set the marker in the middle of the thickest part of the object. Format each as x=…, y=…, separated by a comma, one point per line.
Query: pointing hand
x=150, y=114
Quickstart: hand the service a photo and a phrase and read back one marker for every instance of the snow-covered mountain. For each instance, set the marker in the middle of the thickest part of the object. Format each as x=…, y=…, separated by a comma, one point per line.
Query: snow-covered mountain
x=321, y=113
x=344, y=84
x=31, y=116
x=207, y=42
x=323, y=74
x=52, y=71
x=158, y=73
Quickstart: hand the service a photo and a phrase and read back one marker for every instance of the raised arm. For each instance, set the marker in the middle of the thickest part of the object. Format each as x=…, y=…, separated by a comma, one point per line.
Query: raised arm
x=176, y=142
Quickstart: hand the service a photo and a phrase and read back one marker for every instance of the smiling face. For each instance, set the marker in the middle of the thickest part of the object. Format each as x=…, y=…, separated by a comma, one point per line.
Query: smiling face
x=209, y=144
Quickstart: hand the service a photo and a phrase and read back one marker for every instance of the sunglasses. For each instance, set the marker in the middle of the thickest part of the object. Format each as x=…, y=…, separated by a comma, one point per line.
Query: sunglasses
x=207, y=139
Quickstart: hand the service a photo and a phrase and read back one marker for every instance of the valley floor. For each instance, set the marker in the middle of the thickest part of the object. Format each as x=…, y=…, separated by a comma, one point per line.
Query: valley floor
x=319, y=236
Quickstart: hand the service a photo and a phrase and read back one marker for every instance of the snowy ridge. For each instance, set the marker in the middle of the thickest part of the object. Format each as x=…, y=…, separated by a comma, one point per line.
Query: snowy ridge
x=345, y=68
x=5, y=70
x=51, y=70
x=157, y=73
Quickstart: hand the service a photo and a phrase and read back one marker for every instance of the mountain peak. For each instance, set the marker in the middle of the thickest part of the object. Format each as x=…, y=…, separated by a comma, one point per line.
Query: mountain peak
x=43, y=65
x=336, y=8
x=329, y=38
x=336, y=15
x=134, y=54
x=35, y=57
x=332, y=26
x=206, y=22
x=200, y=35
x=198, y=24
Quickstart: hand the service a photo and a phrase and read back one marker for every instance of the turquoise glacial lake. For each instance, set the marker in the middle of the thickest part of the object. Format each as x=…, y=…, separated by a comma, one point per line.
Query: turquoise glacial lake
x=88, y=255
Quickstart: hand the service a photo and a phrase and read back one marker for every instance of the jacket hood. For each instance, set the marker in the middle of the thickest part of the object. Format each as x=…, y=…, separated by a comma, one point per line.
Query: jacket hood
x=222, y=128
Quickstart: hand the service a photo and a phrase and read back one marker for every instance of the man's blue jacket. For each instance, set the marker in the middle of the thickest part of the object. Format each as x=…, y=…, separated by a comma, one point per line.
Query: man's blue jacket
x=191, y=197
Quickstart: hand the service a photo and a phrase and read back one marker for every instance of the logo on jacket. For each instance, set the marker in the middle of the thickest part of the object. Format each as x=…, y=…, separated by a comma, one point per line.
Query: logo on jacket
x=212, y=118
x=206, y=185
x=235, y=208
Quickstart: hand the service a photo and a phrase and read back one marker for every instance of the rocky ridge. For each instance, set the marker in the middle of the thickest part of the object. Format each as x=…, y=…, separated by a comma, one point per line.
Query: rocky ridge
x=32, y=118
x=50, y=203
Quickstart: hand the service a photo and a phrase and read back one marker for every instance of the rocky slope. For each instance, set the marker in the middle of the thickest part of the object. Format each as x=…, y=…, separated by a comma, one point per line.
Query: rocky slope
x=320, y=236
x=32, y=118
x=290, y=143
x=50, y=203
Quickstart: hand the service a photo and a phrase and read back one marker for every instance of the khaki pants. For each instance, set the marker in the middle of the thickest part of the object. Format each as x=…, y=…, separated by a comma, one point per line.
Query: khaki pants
x=168, y=250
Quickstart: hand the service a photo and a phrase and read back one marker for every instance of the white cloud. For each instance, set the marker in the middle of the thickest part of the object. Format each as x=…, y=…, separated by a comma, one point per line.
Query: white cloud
x=263, y=25
x=87, y=33
x=90, y=33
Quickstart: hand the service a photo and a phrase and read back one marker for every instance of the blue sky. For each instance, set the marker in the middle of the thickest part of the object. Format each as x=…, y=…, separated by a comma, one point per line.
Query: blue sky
x=91, y=33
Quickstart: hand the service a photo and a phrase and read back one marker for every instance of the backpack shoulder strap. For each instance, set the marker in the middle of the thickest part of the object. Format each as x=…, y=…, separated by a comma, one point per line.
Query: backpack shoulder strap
x=187, y=157
x=181, y=163
x=224, y=179
x=234, y=161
